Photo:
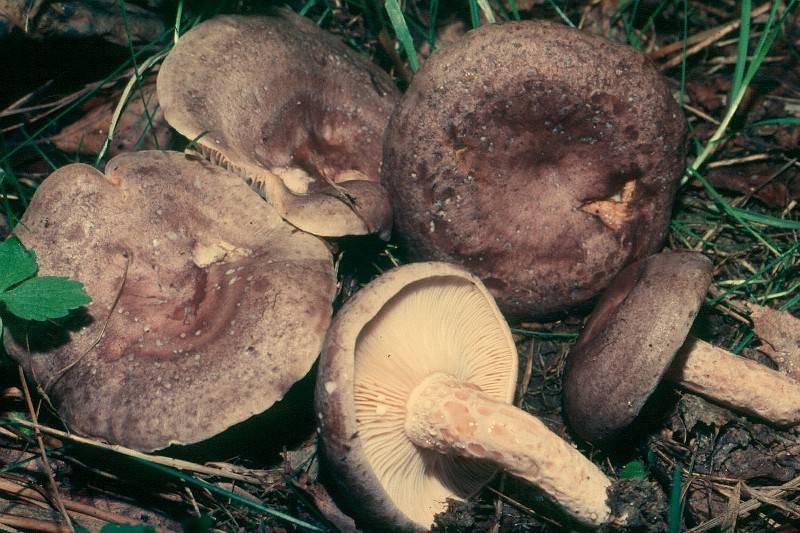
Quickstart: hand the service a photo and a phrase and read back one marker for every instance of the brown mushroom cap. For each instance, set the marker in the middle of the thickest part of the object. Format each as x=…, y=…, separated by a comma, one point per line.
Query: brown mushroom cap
x=541, y=158
x=412, y=321
x=207, y=306
x=264, y=94
x=630, y=340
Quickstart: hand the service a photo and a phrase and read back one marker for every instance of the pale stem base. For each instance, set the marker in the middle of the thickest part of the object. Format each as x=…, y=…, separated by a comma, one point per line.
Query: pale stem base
x=453, y=417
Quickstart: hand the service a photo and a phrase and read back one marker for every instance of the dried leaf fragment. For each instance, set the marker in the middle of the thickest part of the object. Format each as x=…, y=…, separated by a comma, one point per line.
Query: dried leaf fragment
x=779, y=332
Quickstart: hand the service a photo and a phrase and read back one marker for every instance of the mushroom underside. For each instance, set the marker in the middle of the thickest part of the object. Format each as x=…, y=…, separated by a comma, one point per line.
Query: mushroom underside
x=454, y=331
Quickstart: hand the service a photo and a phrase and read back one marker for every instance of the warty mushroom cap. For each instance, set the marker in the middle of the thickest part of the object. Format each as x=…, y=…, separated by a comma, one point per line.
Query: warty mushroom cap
x=207, y=306
x=291, y=109
x=541, y=158
x=413, y=390
x=630, y=340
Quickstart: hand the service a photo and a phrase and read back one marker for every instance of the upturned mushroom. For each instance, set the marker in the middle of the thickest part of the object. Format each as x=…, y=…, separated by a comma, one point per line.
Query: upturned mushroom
x=541, y=158
x=413, y=398
x=292, y=110
x=207, y=306
x=638, y=335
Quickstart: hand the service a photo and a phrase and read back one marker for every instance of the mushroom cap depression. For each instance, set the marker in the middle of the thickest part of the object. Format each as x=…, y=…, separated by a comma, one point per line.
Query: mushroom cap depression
x=541, y=158
x=407, y=324
x=268, y=96
x=207, y=306
x=630, y=340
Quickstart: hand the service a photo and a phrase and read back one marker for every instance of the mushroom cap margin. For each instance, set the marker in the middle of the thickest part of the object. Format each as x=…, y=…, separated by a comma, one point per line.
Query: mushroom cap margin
x=631, y=338
x=189, y=350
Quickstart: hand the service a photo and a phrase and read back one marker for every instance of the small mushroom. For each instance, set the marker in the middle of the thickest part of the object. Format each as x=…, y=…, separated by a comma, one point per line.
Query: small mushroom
x=292, y=110
x=207, y=306
x=413, y=398
x=637, y=335
x=541, y=158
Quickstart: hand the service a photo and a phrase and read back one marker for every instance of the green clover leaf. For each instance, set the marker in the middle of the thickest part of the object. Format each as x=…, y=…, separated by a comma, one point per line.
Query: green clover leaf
x=30, y=297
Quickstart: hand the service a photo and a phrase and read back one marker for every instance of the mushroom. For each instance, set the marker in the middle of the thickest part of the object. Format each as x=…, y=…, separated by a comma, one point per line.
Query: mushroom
x=207, y=306
x=541, y=158
x=292, y=110
x=637, y=335
x=413, y=398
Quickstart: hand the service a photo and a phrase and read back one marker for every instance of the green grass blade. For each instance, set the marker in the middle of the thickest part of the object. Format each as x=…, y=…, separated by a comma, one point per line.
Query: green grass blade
x=414, y=26
x=656, y=12
x=766, y=220
x=13, y=466
x=486, y=9
x=178, y=15
x=789, y=254
x=474, y=17
x=730, y=210
x=743, y=342
x=504, y=14
x=544, y=334
x=7, y=176
x=742, y=48
x=628, y=20
x=138, y=75
x=308, y=5
x=231, y=495
x=674, y=519
x=433, y=16
x=561, y=13
x=685, y=32
x=791, y=303
x=137, y=145
x=32, y=142
x=778, y=121
x=79, y=101
x=401, y=31
x=769, y=33
x=133, y=82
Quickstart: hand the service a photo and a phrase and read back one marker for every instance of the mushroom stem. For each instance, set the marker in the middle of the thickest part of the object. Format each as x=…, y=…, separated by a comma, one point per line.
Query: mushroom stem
x=454, y=417
x=737, y=382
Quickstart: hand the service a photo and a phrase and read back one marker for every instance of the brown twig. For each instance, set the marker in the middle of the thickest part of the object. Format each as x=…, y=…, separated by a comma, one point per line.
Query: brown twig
x=702, y=40
x=157, y=459
x=31, y=524
x=27, y=493
x=524, y=508
x=748, y=506
x=388, y=46
x=45, y=462
x=526, y=375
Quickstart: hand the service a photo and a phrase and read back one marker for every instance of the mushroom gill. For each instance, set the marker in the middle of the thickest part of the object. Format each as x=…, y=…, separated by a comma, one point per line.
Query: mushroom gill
x=443, y=324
